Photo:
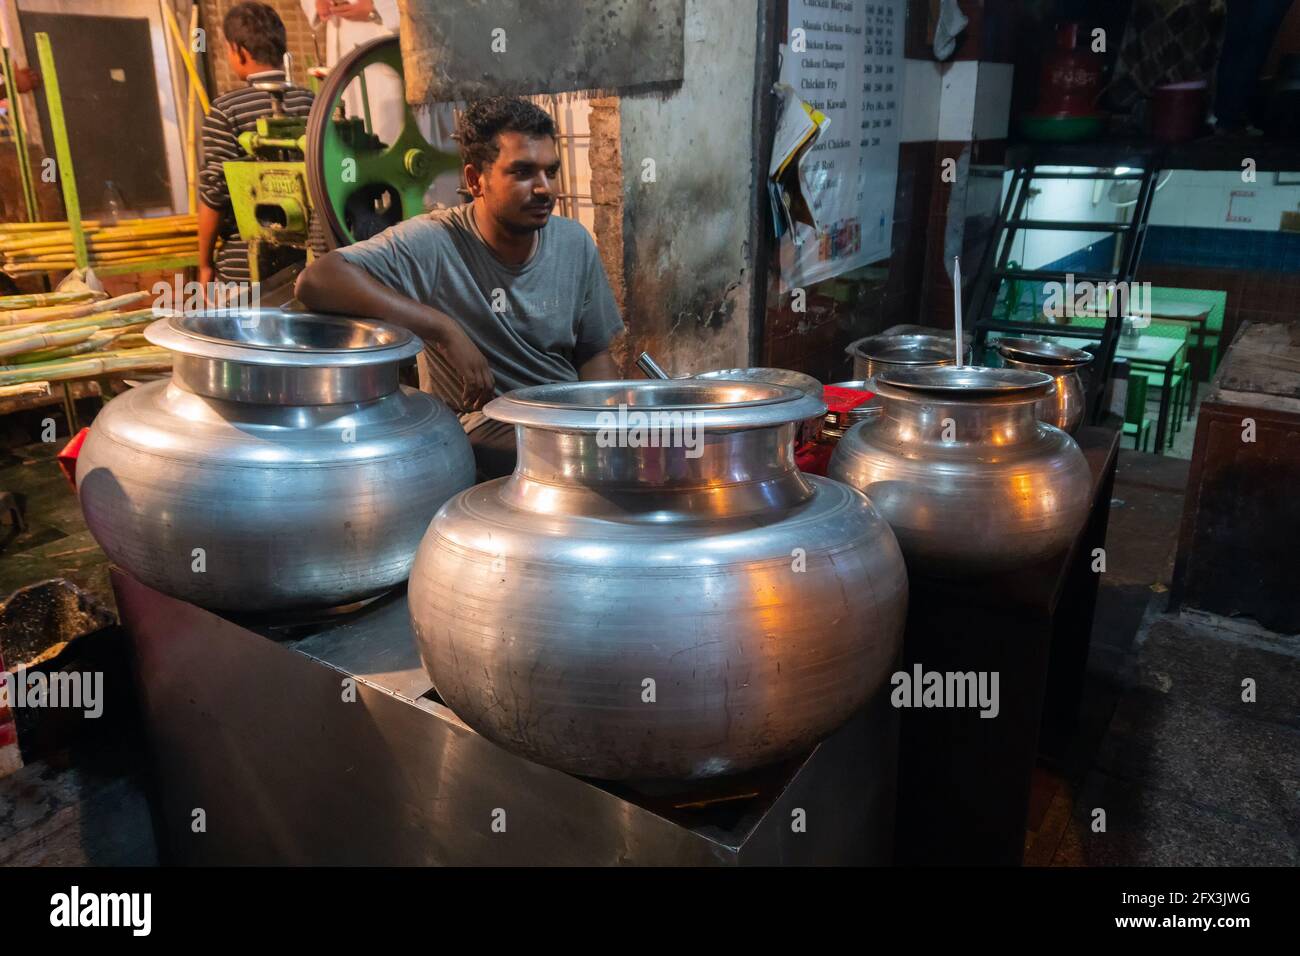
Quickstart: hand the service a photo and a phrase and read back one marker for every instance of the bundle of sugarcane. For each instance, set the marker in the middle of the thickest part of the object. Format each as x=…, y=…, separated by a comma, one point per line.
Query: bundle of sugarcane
x=42, y=336
x=72, y=311
x=43, y=247
x=35, y=300
x=148, y=359
x=75, y=342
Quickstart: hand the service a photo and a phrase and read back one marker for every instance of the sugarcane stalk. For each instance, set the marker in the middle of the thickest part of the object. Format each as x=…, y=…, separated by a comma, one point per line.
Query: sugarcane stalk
x=107, y=245
x=38, y=299
x=29, y=316
x=43, y=340
x=89, y=224
x=20, y=391
x=126, y=360
x=113, y=255
x=123, y=338
x=132, y=228
x=130, y=340
x=92, y=322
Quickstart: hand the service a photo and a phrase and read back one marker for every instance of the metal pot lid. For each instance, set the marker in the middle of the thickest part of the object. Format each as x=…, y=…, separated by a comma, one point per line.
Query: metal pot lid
x=904, y=349
x=716, y=405
x=276, y=337
x=1043, y=353
x=772, y=376
x=969, y=382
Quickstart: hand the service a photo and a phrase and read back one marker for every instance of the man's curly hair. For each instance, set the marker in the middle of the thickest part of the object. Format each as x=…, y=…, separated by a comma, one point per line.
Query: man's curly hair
x=479, y=124
x=258, y=29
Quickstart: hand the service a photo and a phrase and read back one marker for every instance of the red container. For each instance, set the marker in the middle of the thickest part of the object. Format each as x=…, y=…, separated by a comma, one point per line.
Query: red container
x=1071, y=77
x=1178, y=111
x=68, y=457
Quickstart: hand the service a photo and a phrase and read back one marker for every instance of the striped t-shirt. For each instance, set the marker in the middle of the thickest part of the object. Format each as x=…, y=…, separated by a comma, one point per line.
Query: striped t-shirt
x=233, y=113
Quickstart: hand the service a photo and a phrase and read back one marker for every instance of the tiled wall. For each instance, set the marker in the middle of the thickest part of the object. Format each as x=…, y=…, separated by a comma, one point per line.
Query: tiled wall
x=1243, y=249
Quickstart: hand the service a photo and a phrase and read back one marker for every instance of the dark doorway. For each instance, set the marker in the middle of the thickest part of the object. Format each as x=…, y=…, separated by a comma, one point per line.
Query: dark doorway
x=110, y=105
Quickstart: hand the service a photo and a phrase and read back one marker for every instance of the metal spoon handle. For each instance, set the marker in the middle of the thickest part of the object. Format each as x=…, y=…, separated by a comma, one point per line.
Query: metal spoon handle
x=650, y=367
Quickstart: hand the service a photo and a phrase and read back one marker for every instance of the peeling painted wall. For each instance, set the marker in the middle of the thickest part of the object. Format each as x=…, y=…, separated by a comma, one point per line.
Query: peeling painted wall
x=689, y=238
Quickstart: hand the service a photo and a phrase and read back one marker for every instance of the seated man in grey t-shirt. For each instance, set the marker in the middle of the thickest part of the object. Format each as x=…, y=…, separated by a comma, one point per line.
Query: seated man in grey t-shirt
x=503, y=294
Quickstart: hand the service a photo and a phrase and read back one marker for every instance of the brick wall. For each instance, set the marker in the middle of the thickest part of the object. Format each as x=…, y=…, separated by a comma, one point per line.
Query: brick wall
x=296, y=29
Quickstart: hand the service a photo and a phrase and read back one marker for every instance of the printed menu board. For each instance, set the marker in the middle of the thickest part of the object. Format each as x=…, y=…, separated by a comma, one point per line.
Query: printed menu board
x=845, y=58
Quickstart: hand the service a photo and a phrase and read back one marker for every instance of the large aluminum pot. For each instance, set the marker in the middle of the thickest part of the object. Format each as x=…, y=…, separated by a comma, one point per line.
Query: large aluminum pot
x=898, y=352
x=967, y=476
x=647, y=601
x=281, y=467
x=1066, y=406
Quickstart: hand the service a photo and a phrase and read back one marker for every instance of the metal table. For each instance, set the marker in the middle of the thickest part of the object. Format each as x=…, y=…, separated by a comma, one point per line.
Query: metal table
x=1155, y=354
x=1196, y=315
x=251, y=724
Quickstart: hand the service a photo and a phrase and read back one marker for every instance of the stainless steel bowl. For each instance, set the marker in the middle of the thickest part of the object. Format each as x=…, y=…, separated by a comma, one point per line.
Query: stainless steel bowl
x=1065, y=408
x=891, y=353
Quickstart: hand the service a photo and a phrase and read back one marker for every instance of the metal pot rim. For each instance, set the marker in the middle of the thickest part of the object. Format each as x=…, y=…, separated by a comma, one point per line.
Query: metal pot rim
x=1043, y=353
x=932, y=347
x=191, y=334
x=967, y=383
x=767, y=374
x=560, y=406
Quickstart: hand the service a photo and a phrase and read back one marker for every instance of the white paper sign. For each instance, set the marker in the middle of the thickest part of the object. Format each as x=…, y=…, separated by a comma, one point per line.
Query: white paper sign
x=847, y=61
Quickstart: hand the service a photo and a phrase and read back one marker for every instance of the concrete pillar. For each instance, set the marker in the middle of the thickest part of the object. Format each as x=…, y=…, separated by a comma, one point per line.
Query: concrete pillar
x=690, y=196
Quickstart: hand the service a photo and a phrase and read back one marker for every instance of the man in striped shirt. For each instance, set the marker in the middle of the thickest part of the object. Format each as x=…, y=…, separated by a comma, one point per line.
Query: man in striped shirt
x=255, y=47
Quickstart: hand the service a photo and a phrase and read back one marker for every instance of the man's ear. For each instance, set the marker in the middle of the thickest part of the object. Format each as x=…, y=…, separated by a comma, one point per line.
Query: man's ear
x=473, y=180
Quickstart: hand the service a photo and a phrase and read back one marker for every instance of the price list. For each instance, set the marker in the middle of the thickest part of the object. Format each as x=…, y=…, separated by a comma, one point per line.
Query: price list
x=845, y=57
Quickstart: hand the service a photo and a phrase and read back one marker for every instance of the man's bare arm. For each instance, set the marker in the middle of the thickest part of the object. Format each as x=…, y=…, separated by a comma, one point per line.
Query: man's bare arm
x=209, y=222
x=332, y=284
x=599, y=368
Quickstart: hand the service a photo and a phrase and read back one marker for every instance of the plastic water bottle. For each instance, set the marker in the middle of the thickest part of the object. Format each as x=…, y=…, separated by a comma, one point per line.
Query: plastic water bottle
x=113, y=205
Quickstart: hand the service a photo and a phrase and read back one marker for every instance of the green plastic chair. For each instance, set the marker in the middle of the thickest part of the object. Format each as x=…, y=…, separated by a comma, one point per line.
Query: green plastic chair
x=1136, y=422
x=1182, y=373
x=1217, y=300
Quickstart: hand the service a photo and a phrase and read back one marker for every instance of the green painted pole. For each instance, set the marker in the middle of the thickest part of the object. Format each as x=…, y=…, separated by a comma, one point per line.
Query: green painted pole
x=62, y=151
